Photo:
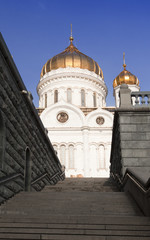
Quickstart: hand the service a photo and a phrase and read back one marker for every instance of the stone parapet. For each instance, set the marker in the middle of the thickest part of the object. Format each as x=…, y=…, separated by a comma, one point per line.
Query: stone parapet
x=130, y=154
x=131, y=140
x=25, y=148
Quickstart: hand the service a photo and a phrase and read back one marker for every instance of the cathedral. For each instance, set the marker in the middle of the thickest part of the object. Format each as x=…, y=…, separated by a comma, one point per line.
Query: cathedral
x=72, y=106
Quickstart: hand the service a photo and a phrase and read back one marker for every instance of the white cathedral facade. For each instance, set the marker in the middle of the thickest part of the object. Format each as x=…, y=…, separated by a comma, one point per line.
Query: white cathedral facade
x=72, y=106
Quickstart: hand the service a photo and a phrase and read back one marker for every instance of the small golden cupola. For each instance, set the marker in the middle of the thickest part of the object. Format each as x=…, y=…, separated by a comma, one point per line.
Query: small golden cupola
x=71, y=57
x=125, y=77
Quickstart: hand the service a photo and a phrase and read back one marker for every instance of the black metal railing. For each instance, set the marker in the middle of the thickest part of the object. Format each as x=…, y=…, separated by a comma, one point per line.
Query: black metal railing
x=138, y=190
x=47, y=175
x=121, y=182
x=11, y=177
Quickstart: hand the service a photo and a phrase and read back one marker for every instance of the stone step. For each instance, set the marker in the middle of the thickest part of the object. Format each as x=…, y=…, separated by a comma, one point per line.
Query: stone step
x=85, y=213
x=79, y=219
x=68, y=237
x=74, y=231
x=35, y=226
x=101, y=227
x=83, y=184
x=51, y=233
x=71, y=198
x=69, y=195
x=74, y=210
x=96, y=204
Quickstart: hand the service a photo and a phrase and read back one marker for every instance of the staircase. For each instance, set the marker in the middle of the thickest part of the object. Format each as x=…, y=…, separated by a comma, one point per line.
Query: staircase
x=75, y=209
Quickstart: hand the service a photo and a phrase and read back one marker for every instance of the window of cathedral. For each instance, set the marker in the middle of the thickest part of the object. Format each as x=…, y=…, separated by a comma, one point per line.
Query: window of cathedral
x=63, y=154
x=100, y=120
x=56, y=149
x=83, y=98
x=94, y=100
x=45, y=100
x=69, y=95
x=71, y=156
x=55, y=96
x=101, y=157
x=62, y=117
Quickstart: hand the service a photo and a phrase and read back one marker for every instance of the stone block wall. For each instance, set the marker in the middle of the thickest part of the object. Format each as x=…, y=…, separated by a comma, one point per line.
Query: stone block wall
x=131, y=140
x=26, y=154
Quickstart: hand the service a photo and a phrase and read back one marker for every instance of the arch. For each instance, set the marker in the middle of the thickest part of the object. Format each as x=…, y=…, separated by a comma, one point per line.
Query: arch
x=63, y=154
x=94, y=100
x=91, y=117
x=55, y=96
x=82, y=98
x=71, y=156
x=69, y=95
x=2, y=140
x=61, y=106
x=27, y=170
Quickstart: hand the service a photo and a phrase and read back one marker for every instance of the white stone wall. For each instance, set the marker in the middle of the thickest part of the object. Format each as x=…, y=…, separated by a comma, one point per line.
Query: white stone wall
x=84, y=134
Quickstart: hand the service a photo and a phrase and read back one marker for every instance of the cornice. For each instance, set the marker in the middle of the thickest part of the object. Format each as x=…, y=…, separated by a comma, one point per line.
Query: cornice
x=72, y=129
x=77, y=74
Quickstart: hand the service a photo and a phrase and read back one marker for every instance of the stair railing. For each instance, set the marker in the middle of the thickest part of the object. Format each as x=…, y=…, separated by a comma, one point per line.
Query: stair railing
x=46, y=174
x=11, y=177
x=139, y=191
x=121, y=182
x=8, y=179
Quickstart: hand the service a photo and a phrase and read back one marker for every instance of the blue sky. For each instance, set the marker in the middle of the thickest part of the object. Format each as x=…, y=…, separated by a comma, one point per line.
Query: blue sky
x=36, y=30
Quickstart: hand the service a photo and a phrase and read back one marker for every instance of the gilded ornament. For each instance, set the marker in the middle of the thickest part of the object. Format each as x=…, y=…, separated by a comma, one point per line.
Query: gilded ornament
x=62, y=117
x=100, y=120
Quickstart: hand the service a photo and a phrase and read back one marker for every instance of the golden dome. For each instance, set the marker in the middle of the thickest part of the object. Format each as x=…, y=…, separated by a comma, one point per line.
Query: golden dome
x=71, y=57
x=125, y=77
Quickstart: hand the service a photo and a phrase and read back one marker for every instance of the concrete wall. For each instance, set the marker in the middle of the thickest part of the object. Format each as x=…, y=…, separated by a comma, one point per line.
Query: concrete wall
x=25, y=148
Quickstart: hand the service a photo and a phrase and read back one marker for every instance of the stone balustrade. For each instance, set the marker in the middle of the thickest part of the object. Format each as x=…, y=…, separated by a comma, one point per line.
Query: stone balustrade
x=140, y=99
x=130, y=99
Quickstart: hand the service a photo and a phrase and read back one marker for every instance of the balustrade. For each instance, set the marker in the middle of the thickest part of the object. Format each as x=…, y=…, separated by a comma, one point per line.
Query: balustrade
x=140, y=99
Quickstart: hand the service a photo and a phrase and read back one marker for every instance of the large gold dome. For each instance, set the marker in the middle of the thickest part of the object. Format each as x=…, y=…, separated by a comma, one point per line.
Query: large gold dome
x=125, y=77
x=71, y=57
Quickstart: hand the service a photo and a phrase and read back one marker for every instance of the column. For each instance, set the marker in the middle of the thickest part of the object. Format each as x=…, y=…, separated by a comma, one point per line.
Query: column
x=86, y=150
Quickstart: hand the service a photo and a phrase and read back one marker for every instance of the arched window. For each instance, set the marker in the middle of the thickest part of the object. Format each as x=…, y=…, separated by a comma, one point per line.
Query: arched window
x=55, y=96
x=71, y=156
x=69, y=95
x=101, y=157
x=63, y=154
x=94, y=100
x=56, y=149
x=45, y=100
x=2, y=140
x=82, y=98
